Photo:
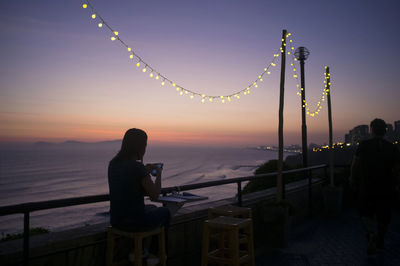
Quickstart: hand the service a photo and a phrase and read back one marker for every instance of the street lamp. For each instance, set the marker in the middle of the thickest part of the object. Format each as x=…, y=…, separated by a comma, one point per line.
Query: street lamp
x=302, y=54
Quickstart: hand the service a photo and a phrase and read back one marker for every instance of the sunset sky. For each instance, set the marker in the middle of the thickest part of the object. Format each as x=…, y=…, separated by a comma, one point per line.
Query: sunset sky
x=62, y=78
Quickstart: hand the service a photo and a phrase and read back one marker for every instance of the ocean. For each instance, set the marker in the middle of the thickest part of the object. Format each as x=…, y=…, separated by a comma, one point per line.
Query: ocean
x=38, y=172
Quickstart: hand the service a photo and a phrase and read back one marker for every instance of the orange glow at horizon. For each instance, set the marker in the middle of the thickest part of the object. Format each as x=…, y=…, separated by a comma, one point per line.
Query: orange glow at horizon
x=63, y=79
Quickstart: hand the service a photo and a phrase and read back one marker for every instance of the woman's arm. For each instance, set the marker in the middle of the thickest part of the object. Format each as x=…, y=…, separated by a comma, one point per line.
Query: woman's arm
x=151, y=188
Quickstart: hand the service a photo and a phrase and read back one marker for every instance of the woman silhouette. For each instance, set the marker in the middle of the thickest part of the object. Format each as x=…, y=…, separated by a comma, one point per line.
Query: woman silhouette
x=129, y=181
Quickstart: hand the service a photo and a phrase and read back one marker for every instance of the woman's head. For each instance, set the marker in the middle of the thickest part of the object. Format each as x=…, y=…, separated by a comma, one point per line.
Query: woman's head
x=133, y=145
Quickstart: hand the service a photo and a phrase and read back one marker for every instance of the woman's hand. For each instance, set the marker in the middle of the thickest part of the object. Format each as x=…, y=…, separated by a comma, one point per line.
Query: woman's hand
x=154, y=169
x=152, y=189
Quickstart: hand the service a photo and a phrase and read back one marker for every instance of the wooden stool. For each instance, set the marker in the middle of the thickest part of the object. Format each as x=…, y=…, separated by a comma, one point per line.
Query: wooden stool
x=229, y=252
x=138, y=249
x=229, y=210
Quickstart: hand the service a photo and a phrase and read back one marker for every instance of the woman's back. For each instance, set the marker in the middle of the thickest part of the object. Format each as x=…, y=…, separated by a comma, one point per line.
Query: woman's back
x=126, y=192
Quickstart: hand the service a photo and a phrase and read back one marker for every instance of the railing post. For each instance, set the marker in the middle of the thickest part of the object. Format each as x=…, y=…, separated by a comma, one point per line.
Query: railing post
x=239, y=192
x=326, y=174
x=284, y=186
x=310, y=193
x=26, y=238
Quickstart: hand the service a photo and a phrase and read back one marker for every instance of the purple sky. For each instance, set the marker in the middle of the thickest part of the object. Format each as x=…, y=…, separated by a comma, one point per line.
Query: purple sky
x=62, y=78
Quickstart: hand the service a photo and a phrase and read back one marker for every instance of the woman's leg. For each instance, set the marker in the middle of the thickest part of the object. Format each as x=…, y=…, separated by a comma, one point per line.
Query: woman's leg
x=156, y=217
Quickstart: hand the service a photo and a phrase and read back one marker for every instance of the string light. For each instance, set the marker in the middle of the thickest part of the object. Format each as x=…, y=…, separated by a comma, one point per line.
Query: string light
x=324, y=92
x=192, y=94
x=236, y=94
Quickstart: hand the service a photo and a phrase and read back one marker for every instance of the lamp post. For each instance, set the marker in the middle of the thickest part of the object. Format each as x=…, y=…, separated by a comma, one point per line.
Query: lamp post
x=302, y=54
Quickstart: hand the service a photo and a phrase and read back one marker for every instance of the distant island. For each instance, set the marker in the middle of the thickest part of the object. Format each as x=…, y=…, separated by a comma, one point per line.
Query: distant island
x=72, y=143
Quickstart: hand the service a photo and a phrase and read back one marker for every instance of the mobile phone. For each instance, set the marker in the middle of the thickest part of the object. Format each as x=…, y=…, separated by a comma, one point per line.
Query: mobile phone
x=159, y=166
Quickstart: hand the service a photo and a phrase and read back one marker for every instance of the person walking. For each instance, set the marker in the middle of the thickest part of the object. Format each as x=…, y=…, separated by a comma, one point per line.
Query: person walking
x=374, y=175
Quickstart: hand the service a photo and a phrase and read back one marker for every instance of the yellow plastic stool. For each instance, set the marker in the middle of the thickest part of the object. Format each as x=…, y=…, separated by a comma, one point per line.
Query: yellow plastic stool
x=229, y=210
x=138, y=249
x=228, y=252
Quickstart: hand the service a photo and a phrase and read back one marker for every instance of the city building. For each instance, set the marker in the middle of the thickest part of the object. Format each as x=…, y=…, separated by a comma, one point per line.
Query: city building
x=361, y=132
x=397, y=129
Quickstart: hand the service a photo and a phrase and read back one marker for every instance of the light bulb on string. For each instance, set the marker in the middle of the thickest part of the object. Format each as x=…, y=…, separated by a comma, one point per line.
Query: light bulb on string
x=132, y=55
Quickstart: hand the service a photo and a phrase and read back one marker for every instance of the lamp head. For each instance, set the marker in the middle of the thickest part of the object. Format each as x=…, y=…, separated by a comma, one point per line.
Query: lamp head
x=301, y=53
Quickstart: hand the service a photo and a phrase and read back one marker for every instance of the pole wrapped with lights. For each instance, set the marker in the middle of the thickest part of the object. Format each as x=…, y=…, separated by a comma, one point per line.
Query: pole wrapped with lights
x=153, y=73
x=318, y=108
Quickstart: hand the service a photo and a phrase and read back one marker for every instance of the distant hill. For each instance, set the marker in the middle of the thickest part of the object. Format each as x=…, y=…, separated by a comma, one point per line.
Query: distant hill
x=74, y=143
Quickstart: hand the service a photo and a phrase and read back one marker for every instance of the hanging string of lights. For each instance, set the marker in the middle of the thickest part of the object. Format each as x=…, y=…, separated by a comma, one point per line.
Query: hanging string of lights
x=153, y=73
x=324, y=92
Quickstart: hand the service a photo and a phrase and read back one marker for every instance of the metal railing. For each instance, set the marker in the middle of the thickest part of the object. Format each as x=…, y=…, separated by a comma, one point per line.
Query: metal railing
x=27, y=208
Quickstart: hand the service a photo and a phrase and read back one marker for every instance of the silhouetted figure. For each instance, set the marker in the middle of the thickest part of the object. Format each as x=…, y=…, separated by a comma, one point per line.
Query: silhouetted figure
x=129, y=181
x=374, y=175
